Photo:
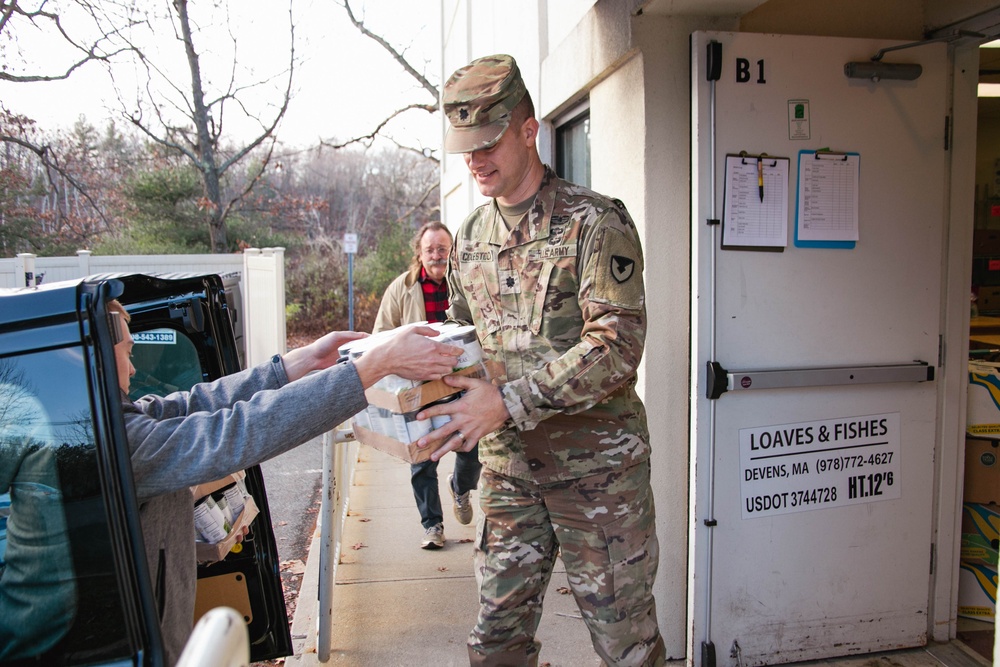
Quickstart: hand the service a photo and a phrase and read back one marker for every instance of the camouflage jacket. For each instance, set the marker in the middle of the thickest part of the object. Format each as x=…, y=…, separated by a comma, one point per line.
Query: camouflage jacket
x=559, y=303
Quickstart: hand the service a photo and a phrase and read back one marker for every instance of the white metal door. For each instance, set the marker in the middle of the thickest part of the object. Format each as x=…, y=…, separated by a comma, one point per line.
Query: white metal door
x=813, y=499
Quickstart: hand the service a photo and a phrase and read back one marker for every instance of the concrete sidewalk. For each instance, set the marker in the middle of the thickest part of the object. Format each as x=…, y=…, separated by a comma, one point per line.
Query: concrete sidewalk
x=397, y=604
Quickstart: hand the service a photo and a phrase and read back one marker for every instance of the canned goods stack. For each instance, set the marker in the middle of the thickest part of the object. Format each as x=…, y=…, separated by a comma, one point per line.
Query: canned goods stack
x=222, y=510
x=394, y=401
x=465, y=338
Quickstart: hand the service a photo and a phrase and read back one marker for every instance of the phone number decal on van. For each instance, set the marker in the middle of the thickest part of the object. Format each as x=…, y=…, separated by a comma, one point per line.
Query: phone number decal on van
x=789, y=468
x=157, y=336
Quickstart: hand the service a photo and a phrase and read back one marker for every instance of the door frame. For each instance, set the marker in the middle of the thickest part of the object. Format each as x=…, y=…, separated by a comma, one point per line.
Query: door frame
x=953, y=365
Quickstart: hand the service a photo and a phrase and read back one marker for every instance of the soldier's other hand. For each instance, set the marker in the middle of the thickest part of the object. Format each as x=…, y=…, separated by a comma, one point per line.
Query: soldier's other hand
x=480, y=411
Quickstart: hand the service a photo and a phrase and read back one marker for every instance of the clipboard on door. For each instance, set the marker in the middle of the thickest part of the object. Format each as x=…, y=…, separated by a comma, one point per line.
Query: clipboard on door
x=826, y=201
x=755, y=203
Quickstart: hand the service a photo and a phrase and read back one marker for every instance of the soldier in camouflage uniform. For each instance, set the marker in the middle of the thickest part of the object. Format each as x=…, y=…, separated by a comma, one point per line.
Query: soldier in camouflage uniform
x=550, y=273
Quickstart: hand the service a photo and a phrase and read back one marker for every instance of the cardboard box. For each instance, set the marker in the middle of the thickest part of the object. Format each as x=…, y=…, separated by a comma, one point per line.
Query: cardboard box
x=210, y=553
x=988, y=299
x=977, y=591
x=406, y=451
x=414, y=398
x=982, y=521
x=983, y=406
x=203, y=490
x=977, y=549
x=986, y=243
x=982, y=470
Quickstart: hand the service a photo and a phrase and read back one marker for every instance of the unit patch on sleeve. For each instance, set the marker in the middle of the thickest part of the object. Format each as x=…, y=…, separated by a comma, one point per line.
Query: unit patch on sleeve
x=622, y=268
x=618, y=271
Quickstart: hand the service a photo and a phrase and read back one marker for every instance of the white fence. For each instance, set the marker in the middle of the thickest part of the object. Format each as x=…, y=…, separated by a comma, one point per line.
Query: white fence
x=262, y=283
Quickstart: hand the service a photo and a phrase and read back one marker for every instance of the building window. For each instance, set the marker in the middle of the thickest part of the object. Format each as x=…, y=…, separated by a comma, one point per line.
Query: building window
x=573, y=149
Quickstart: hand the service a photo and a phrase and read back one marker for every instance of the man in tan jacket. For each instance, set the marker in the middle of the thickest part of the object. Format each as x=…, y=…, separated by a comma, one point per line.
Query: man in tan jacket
x=421, y=294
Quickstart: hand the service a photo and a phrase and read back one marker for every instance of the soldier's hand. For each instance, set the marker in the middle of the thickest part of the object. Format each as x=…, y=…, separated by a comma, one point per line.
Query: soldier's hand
x=480, y=411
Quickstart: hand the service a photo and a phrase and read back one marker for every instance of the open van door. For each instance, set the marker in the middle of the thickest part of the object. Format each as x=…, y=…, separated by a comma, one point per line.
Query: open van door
x=183, y=327
x=74, y=584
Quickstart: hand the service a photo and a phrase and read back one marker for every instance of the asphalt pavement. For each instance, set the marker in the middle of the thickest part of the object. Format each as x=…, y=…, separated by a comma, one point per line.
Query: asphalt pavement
x=293, y=481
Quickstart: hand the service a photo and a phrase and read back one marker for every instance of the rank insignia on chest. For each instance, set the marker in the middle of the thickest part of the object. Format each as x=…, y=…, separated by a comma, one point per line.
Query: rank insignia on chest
x=510, y=282
x=622, y=268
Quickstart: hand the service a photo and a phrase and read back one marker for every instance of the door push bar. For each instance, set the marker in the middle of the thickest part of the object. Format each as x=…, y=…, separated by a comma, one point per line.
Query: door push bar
x=720, y=380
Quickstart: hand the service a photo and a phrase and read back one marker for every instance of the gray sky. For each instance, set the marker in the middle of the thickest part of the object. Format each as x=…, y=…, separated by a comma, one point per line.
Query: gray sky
x=344, y=87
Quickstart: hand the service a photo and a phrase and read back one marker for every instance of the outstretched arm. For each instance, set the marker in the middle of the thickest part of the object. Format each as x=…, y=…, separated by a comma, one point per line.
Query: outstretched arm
x=410, y=354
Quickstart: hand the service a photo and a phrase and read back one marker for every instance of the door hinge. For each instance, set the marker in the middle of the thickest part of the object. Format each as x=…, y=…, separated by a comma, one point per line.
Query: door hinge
x=947, y=133
x=933, y=552
x=940, y=361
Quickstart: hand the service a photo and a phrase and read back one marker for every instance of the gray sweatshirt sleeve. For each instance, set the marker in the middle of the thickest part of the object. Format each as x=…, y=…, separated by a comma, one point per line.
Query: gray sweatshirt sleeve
x=187, y=438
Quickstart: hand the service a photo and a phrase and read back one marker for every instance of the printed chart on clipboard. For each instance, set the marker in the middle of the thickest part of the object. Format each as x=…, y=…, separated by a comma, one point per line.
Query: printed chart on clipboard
x=826, y=201
x=755, y=205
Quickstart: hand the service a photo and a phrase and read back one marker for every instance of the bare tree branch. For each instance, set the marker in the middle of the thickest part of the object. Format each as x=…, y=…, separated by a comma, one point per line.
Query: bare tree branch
x=367, y=138
x=400, y=58
x=41, y=19
x=201, y=141
x=426, y=153
x=420, y=202
x=50, y=161
x=360, y=25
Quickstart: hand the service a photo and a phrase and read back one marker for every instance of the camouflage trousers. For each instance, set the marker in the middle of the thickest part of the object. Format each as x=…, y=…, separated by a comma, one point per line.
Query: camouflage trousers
x=604, y=529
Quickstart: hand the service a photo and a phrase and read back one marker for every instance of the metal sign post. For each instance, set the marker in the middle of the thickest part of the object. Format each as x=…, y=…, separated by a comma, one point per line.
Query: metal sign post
x=350, y=247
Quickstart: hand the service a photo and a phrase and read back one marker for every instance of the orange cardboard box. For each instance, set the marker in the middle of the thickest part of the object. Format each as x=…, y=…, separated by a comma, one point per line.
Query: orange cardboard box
x=409, y=452
x=428, y=392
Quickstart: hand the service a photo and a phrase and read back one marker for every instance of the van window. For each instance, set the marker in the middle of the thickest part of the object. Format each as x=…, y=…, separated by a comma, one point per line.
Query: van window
x=59, y=595
x=165, y=361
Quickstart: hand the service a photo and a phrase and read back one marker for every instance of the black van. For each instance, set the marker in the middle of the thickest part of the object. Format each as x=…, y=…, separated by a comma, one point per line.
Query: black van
x=85, y=595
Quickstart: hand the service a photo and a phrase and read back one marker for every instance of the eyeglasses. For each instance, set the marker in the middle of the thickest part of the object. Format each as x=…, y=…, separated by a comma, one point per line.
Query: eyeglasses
x=436, y=250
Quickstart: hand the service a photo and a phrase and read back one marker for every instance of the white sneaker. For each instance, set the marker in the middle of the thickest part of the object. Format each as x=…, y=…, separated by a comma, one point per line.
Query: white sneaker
x=433, y=537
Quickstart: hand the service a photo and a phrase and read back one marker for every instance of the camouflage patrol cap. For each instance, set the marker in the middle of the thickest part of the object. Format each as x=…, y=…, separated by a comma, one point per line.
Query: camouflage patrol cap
x=478, y=100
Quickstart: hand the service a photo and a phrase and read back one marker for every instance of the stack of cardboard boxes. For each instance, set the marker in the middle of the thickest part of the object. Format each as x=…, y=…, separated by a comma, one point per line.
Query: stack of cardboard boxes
x=389, y=424
x=977, y=588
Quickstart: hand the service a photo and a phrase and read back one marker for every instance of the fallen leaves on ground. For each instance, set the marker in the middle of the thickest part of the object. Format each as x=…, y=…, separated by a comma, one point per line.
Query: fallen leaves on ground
x=359, y=545
x=562, y=590
x=293, y=566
